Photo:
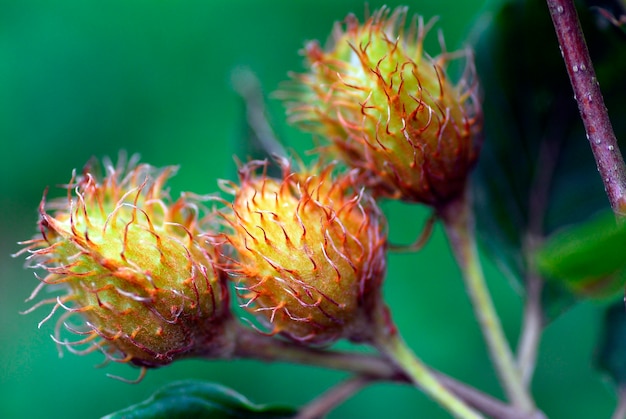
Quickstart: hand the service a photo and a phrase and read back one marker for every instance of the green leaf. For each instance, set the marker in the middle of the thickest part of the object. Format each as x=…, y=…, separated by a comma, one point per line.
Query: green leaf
x=198, y=399
x=589, y=259
x=610, y=356
x=536, y=172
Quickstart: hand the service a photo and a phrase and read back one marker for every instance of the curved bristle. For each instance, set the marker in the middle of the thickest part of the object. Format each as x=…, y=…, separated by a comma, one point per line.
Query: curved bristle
x=389, y=109
x=301, y=248
x=134, y=269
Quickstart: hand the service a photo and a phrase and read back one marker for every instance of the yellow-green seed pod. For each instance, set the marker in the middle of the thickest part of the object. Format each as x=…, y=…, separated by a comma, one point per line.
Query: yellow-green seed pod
x=130, y=269
x=309, y=252
x=389, y=109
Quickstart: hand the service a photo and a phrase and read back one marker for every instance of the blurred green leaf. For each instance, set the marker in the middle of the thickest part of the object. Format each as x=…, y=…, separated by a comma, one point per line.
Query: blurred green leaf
x=536, y=160
x=611, y=351
x=589, y=258
x=198, y=399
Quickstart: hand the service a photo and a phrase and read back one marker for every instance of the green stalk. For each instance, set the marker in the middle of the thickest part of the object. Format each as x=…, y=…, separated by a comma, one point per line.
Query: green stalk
x=253, y=345
x=393, y=346
x=458, y=221
x=384, y=337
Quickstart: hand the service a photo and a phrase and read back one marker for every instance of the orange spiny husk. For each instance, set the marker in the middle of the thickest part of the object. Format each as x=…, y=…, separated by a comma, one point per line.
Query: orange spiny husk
x=389, y=109
x=130, y=269
x=309, y=252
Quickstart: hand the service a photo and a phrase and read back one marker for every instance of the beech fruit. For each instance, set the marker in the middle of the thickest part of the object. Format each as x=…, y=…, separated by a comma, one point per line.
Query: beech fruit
x=308, y=252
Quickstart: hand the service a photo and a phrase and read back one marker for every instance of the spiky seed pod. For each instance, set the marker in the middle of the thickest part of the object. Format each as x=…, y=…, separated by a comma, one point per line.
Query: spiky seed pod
x=129, y=266
x=309, y=252
x=389, y=109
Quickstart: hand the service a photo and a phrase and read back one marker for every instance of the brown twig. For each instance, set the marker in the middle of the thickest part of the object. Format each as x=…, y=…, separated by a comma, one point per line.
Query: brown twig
x=590, y=102
x=324, y=403
x=620, y=409
x=550, y=148
x=252, y=345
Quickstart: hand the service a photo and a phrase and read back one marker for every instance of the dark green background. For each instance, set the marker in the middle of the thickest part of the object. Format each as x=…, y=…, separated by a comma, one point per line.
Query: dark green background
x=85, y=78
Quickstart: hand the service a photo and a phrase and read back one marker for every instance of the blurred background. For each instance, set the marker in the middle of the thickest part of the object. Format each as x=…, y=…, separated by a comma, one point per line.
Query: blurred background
x=81, y=79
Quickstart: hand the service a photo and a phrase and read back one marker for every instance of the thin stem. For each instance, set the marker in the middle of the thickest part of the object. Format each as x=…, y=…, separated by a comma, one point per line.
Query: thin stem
x=538, y=198
x=620, y=409
x=253, y=345
x=394, y=347
x=532, y=327
x=459, y=225
x=333, y=398
x=247, y=85
x=421, y=241
x=590, y=102
x=480, y=401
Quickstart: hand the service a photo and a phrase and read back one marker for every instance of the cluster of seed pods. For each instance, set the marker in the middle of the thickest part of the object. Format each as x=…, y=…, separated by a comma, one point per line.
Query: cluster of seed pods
x=145, y=279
